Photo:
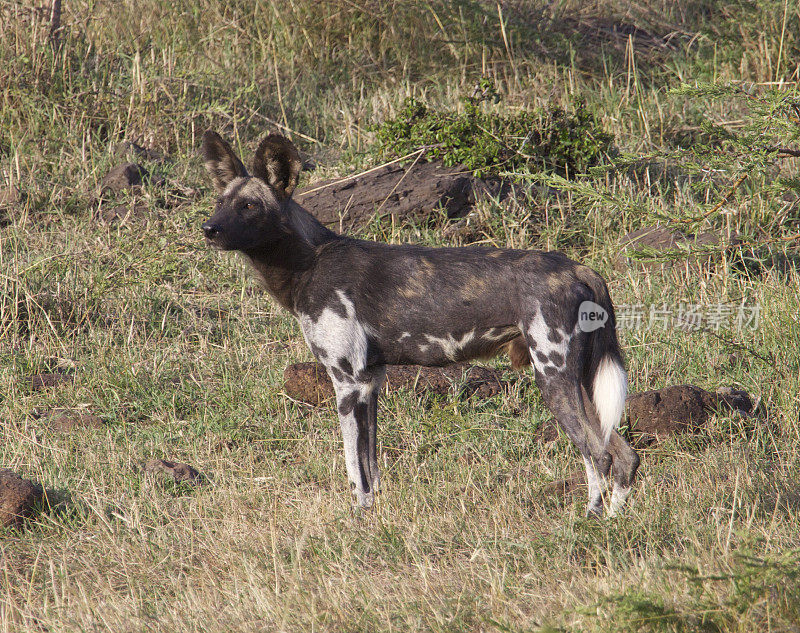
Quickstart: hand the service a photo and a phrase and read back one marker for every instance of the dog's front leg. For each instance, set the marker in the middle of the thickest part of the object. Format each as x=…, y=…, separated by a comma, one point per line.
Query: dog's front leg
x=356, y=401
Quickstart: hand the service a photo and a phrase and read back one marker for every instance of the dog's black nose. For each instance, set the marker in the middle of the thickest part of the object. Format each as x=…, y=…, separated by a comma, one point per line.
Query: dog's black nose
x=211, y=230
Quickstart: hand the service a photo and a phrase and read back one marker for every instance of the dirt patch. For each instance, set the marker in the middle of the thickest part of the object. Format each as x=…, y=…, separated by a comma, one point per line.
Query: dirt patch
x=19, y=498
x=669, y=245
x=654, y=415
x=309, y=382
x=401, y=193
x=50, y=379
x=177, y=471
x=596, y=32
x=548, y=432
x=65, y=420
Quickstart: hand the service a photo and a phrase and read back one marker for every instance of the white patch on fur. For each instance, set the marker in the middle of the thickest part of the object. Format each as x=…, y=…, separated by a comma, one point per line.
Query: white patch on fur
x=595, y=486
x=609, y=389
x=618, y=496
x=450, y=345
x=344, y=337
x=539, y=332
x=404, y=335
x=500, y=333
x=349, y=426
x=339, y=337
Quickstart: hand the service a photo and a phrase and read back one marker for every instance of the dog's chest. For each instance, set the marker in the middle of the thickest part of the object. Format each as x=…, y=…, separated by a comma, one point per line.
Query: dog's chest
x=336, y=336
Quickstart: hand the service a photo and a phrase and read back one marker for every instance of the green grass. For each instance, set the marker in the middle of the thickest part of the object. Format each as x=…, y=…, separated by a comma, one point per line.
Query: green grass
x=180, y=352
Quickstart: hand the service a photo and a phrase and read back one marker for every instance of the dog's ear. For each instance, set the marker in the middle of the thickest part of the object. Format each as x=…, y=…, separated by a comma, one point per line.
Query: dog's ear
x=222, y=164
x=277, y=162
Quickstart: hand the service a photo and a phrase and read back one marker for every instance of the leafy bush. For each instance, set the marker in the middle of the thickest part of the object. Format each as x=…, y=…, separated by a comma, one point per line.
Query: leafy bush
x=538, y=140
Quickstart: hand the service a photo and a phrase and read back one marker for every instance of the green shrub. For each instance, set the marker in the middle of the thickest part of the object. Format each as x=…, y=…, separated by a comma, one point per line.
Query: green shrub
x=533, y=140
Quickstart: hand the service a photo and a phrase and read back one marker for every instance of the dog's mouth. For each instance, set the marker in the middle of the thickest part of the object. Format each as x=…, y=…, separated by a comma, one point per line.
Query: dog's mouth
x=213, y=234
x=214, y=244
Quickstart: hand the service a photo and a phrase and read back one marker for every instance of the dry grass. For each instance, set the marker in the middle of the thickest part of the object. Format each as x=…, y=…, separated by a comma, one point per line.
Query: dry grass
x=183, y=356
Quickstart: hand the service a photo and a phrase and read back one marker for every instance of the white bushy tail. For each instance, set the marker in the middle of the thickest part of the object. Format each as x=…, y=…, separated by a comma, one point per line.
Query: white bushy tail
x=609, y=390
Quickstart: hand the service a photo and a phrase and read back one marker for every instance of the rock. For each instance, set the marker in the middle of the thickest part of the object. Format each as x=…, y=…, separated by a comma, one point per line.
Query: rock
x=50, y=379
x=309, y=382
x=562, y=488
x=19, y=498
x=63, y=420
x=177, y=470
x=667, y=243
x=653, y=415
x=404, y=193
x=122, y=177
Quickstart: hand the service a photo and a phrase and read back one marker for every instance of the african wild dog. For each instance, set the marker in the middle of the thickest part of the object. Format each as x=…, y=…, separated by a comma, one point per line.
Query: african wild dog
x=364, y=305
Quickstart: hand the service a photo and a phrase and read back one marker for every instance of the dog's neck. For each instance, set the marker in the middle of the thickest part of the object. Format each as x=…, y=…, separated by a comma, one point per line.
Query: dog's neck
x=281, y=262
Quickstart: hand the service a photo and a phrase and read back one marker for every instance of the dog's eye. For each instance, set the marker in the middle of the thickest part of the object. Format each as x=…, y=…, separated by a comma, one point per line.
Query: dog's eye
x=249, y=205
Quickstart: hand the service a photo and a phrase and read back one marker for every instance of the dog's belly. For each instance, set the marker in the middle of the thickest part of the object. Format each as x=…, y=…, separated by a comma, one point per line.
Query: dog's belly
x=422, y=348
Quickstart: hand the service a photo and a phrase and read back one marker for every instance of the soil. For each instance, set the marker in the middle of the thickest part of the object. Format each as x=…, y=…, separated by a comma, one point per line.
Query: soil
x=309, y=382
x=404, y=194
x=19, y=498
x=661, y=241
x=654, y=415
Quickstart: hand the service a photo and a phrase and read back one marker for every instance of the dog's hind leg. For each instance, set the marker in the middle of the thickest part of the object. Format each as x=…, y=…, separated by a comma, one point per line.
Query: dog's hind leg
x=562, y=395
x=557, y=368
x=625, y=460
x=356, y=401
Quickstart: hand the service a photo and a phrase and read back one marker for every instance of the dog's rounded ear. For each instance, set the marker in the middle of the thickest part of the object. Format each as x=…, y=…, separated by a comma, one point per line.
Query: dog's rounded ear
x=222, y=164
x=277, y=162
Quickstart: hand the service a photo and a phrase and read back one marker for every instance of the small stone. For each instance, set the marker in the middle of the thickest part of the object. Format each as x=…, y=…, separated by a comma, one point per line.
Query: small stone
x=19, y=498
x=177, y=470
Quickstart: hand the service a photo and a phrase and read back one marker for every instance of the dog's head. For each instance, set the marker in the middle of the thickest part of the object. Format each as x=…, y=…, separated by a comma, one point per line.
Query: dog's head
x=250, y=210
